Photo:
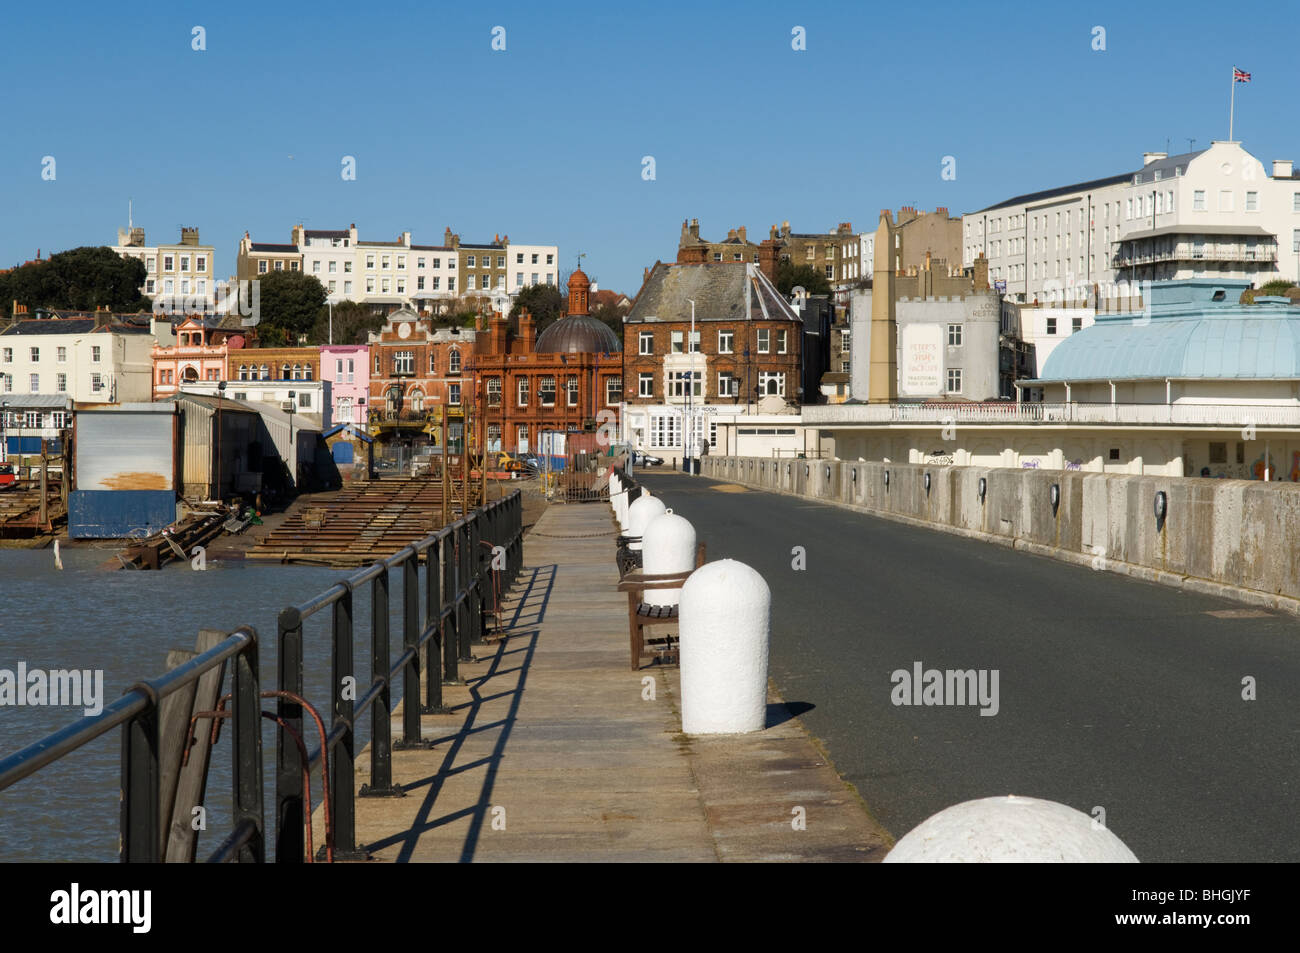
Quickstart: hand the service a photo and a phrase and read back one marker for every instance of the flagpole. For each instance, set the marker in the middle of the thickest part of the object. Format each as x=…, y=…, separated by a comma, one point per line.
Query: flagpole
x=1232, y=102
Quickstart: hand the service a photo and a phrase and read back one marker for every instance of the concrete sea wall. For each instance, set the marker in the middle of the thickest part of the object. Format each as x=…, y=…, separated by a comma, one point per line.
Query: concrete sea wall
x=1235, y=538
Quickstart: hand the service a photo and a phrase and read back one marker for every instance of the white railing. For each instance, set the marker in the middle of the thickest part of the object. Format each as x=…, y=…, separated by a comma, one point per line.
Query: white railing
x=1008, y=412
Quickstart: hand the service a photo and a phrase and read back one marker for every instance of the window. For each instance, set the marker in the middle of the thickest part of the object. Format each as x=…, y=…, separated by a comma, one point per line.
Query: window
x=646, y=342
x=954, y=335
x=728, y=384
x=401, y=261
x=665, y=430
x=451, y=282
x=470, y=285
x=96, y=383
x=1295, y=240
x=404, y=362
x=523, y=392
x=1198, y=200
x=954, y=380
x=613, y=390
x=453, y=395
x=185, y=263
x=370, y=285
x=35, y=354
x=385, y=285
x=279, y=266
x=61, y=383
x=764, y=340
x=347, y=267
x=571, y=391
x=437, y=280
x=501, y=261
x=519, y=258
x=385, y=262
x=370, y=262
x=830, y=271
x=494, y=392
x=401, y=285
x=645, y=385
x=677, y=341
x=771, y=384
x=534, y=281
x=726, y=341
x=334, y=267
x=1252, y=201
x=8, y=355
x=351, y=370
x=519, y=279
x=94, y=354
x=453, y=361
x=1051, y=325
x=469, y=261
x=677, y=383
x=780, y=341
x=550, y=260
x=61, y=354
x=315, y=267
x=546, y=391
x=169, y=263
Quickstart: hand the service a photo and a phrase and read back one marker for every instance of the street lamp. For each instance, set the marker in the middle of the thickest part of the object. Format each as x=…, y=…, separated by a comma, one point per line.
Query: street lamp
x=221, y=393
x=293, y=451
x=687, y=434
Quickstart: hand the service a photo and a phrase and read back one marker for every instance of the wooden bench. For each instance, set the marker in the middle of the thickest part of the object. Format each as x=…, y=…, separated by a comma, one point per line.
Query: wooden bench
x=641, y=616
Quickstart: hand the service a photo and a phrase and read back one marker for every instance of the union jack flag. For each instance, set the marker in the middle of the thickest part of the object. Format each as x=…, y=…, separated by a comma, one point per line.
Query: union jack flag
x=1240, y=76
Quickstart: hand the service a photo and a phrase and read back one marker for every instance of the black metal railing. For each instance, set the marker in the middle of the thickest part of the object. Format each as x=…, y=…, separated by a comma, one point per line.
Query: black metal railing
x=465, y=563
x=137, y=711
x=468, y=564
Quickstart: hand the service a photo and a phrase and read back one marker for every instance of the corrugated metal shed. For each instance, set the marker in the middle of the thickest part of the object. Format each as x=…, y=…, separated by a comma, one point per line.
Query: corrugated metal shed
x=128, y=447
x=241, y=427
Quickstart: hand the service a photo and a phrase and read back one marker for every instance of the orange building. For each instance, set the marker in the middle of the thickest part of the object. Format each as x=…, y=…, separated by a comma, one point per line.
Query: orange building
x=418, y=376
x=559, y=382
x=273, y=364
x=200, y=353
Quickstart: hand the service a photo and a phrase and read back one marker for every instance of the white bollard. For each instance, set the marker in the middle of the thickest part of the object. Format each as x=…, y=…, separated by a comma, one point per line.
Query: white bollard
x=668, y=546
x=1004, y=830
x=725, y=617
x=644, y=510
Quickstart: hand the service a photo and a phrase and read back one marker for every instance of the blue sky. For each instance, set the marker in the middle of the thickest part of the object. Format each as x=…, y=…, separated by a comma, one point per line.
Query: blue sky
x=544, y=140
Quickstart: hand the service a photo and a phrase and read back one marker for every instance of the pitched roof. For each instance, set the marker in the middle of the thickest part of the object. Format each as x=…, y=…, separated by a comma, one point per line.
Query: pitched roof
x=718, y=290
x=69, y=326
x=272, y=247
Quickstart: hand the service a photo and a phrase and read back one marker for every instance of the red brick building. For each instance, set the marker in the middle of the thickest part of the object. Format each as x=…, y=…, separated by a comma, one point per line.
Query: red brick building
x=561, y=381
x=418, y=376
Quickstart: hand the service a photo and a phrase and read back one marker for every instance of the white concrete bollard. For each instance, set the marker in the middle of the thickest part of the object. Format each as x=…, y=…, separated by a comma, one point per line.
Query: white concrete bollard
x=615, y=493
x=724, y=616
x=640, y=514
x=668, y=545
x=1003, y=830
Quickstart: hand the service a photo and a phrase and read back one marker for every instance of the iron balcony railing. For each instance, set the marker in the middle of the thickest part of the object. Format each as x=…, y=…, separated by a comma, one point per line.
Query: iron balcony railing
x=1074, y=412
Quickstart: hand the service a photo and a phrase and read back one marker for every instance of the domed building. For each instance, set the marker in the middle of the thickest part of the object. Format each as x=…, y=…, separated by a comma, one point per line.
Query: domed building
x=567, y=380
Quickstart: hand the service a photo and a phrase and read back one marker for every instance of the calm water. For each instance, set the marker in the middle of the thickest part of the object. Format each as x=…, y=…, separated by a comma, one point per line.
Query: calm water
x=124, y=622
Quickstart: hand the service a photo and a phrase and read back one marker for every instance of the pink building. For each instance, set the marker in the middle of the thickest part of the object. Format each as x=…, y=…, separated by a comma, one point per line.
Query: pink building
x=347, y=367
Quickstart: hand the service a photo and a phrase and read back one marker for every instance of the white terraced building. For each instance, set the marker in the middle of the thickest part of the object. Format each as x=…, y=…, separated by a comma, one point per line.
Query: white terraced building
x=1212, y=213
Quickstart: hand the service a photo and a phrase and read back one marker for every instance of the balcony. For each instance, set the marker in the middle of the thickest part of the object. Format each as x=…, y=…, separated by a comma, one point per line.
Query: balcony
x=1001, y=413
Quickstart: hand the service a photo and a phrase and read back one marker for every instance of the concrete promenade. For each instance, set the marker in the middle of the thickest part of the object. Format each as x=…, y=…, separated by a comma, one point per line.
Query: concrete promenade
x=551, y=752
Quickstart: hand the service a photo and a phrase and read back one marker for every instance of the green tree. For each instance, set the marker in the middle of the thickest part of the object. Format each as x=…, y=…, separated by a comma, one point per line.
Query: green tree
x=790, y=276
x=544, y=303
x=79, y=279
x=611, y=315
x=291, y=304
x=353, y=323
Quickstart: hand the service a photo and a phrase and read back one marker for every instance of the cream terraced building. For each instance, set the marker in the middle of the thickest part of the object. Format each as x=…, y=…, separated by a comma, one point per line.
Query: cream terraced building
x=179, y=275
x=1213, y=213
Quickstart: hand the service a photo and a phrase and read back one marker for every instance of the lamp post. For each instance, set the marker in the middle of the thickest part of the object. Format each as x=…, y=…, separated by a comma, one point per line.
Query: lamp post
x=293, y=451
x=687, y=435
x=4, y=435
x=221, y=393
x=329, y=301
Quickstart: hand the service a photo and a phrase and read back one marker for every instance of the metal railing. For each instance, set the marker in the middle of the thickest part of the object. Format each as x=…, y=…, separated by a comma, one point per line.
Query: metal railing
x=137, y=711
x=468, y=564
x=1009, y=412
x=460, y=580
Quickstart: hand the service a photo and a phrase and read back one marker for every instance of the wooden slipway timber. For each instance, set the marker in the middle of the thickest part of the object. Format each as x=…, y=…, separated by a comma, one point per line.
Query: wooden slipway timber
x=364, y=522
x=177, y=543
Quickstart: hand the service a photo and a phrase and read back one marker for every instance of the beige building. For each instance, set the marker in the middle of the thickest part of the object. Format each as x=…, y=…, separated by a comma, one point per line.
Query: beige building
x=179, y=277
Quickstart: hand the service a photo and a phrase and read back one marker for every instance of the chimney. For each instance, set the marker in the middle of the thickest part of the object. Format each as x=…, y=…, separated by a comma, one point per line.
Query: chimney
x=741, y=232
x=1282, y=169
x=772, y=233
x=1149, y=157
x=941, y=210
x=981, y=278
x=695, y=229
x=497, y=335
x=527, y=335
x=731, y=233
x=767, y=258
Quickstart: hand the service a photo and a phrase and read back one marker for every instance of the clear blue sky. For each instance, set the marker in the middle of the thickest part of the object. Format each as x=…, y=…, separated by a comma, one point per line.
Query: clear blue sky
x=544, y=140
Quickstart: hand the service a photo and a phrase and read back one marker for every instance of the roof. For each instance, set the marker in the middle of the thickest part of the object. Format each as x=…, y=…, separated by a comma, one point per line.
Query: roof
x=718, y=290
x=1185, y=334
x=496, y=245
x=1031, y=198
x=1168, y=168
x=69, y=326
x=578, y=334
x=41, y=401
x=325, y=233
x=271, y=247
x=432, y=248
x=1195, y=229
x=225, y=405
x=352, y=429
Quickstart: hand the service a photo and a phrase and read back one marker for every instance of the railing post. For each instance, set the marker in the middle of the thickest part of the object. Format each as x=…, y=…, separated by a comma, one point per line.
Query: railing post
x=246, y=751
x=381, y=710
x=288, y=760
x=477, y=600
x=450, y=592
x=411, y=643
x=463, y=555
x=343, y=757
x=140, y=841
x=433, y=617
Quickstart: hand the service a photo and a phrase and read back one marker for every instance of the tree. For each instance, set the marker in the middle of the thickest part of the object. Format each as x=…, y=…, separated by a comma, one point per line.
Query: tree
x=611, y=315
x=790, y=276
x=291, y=304
x=543, y=302
x=80, y=279
x=1277, y=287
x=352, y=324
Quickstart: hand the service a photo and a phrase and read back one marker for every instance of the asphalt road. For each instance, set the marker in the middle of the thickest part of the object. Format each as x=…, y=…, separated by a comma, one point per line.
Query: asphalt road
x=1112, y=692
